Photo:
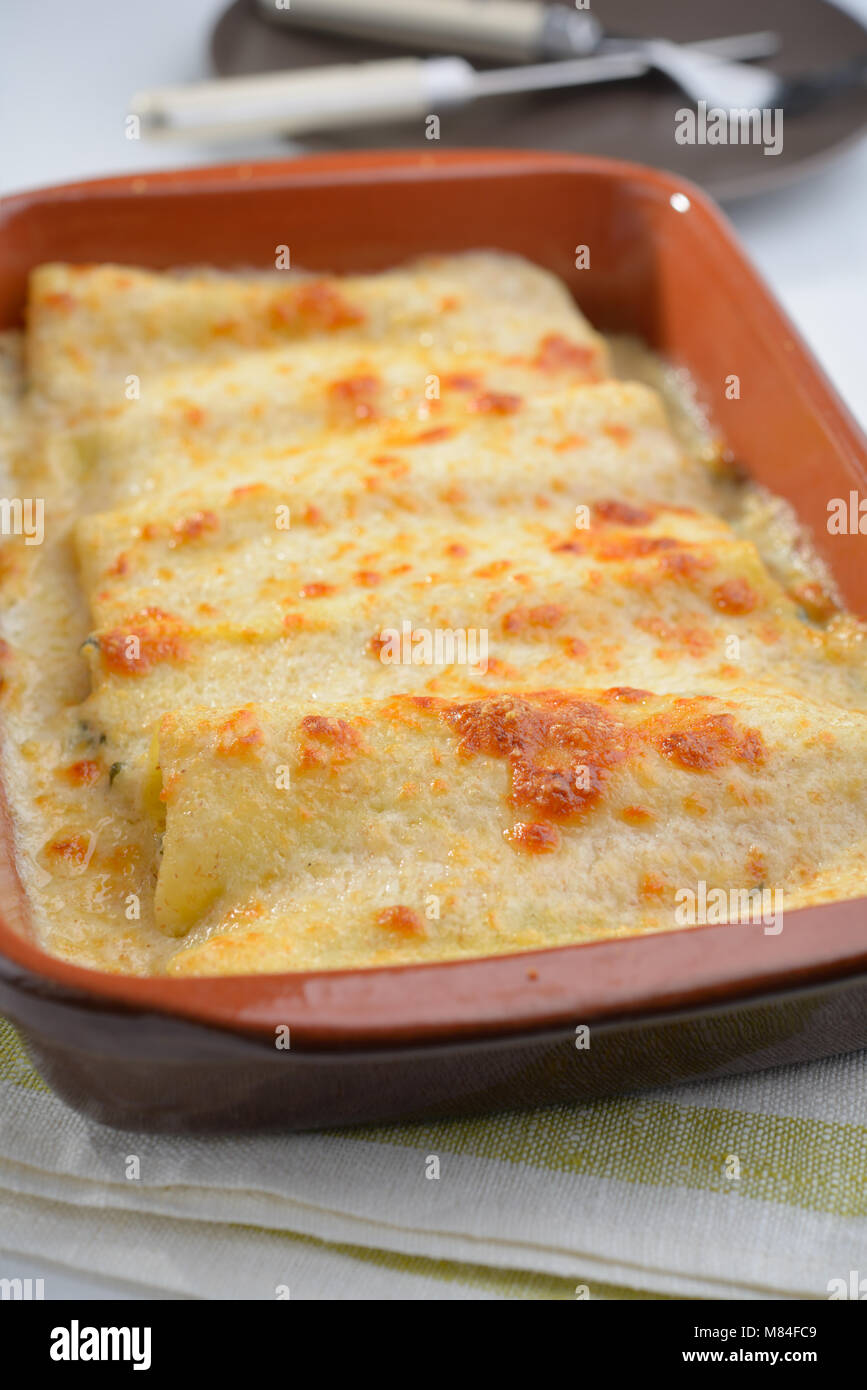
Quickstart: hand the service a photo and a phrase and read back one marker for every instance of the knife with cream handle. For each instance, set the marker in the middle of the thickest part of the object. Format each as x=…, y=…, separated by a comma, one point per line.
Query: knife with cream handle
x=507, y=31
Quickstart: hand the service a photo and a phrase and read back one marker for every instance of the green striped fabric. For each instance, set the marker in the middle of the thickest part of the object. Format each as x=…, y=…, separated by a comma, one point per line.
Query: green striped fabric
x=750, y=1187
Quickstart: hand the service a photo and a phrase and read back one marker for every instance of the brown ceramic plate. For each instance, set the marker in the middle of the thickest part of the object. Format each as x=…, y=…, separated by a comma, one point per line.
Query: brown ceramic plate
x=467, y=1035
x=617, y=120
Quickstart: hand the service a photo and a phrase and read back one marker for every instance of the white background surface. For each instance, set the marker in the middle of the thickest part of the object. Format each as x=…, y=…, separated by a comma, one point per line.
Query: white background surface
x=69, y=67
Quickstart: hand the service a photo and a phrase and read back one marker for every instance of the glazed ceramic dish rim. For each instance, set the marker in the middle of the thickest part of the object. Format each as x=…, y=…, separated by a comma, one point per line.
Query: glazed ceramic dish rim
x=620, y=977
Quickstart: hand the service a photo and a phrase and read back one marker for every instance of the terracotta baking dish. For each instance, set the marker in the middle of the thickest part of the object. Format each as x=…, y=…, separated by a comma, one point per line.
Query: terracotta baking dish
x=480, y=1034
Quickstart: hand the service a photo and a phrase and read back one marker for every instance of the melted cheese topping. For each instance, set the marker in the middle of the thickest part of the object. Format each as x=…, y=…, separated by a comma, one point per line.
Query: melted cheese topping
x=367, y=814
x=377, y=620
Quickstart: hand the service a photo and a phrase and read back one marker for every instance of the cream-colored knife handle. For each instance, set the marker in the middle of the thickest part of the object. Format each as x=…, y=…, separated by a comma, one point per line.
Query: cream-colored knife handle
x=509, y=31
x=313, y=99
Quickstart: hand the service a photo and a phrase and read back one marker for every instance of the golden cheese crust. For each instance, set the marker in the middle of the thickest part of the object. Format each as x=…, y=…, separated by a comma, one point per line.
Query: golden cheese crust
x=377, y=621
x=593, y=807
x=83, y=320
